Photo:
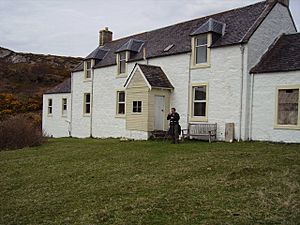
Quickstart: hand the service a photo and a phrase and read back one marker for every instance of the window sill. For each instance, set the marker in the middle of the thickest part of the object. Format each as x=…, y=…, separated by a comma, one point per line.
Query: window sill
x=198, y=119
x=121, y=116
x=137, y=113
x=87, y=80
x=121, y=75
x=86, y=115
x=50, y=115
x=199, y=66
x=287, y=127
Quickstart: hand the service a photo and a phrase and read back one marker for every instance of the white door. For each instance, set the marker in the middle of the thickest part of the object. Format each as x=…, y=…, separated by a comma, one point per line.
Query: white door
x=159, y=116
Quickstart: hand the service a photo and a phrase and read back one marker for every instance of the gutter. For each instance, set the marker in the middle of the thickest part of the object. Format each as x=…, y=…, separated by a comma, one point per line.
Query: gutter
x=242, y=48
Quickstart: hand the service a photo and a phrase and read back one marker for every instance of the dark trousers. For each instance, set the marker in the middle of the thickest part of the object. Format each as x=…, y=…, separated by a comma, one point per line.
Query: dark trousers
x=173, y=131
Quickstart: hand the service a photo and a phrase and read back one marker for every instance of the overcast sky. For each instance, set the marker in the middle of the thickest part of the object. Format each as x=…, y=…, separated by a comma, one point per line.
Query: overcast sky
x=70, y=27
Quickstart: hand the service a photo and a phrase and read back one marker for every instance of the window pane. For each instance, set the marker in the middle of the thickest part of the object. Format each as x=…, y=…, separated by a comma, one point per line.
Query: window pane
x=50, y=102
x=201, y=40
x=87, y=98
x=288, y=107
x=88, y=74
x=200, y=109
x=123, y=56
x=122, y=66
x=121, y=109
x=87, y=108
x=88, y=64
x=201, y=54
x=200, y=93
x=121, y=96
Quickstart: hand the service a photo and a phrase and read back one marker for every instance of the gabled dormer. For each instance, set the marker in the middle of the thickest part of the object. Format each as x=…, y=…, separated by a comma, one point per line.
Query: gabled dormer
x=202, y=39
x=125, y=52
x=92, y=59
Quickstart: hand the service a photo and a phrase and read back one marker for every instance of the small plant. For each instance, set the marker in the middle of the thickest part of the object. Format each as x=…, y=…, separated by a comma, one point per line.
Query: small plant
x=18, y=132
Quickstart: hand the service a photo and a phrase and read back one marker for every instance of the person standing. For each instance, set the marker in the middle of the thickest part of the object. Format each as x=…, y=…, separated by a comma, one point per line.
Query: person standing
x=174, y=118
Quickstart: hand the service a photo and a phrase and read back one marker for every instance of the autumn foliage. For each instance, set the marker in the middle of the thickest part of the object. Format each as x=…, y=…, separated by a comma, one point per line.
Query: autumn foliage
x=20, y=131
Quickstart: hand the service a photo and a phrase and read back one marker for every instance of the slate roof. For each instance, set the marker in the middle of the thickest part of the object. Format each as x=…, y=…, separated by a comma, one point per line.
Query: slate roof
x=283, y=55
x=155, y=76
x=99, y=53
x=241, y=23
x=64, y=87
x=131, y=45
x=210, y=26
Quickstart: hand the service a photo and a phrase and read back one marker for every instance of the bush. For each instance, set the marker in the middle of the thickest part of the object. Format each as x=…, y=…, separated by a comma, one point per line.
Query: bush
x=18, y=132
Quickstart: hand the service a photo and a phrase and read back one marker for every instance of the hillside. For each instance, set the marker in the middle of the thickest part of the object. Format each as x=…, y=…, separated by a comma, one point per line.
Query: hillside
x=25, y=76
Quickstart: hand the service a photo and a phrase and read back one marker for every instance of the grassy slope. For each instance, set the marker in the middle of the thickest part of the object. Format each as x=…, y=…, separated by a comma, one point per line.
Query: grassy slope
x=73, y=181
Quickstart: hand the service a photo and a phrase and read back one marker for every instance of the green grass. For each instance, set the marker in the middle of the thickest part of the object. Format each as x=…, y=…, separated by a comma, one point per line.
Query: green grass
x=73, y=181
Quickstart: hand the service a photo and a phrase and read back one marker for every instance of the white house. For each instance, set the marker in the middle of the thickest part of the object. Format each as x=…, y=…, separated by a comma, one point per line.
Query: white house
x=211, y=69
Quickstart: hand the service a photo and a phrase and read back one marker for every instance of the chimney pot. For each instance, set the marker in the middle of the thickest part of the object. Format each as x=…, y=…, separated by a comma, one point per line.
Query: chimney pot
x=105, y=36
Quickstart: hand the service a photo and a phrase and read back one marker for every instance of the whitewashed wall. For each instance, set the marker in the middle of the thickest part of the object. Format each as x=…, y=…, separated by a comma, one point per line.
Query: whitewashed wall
x=264, y=100
x=57, y=124
x=224, y=82
x=80, y=122
x=275, y=24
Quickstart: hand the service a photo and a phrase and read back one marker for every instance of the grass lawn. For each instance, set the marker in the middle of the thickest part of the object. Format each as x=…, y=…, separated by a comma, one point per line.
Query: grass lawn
x=90, y=181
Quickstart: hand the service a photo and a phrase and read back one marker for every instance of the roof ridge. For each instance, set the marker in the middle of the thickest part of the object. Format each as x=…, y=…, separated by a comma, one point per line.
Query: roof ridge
x=187, y=21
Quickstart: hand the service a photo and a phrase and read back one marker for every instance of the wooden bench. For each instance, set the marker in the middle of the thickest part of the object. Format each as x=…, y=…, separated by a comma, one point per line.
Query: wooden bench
x=200, y=130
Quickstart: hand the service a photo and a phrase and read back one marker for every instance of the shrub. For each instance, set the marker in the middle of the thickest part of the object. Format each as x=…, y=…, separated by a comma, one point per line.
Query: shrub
x=18, y=132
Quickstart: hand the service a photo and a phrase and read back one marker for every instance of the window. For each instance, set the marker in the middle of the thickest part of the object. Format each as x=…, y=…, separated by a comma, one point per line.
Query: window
x=121, y=102
x=88, y=69
x=50, y=106
x=64, y=106
x=137, y=106
x=87, y=103
x=288, y=107
x=122, y=62
x=201, y=51
x=199, y=104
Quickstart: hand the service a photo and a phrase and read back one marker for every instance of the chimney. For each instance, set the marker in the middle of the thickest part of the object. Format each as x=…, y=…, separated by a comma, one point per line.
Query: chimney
x=284, y=2
x=105, y=36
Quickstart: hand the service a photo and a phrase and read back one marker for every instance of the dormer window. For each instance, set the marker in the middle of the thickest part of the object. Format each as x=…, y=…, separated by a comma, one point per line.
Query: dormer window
x=201, y=51
x=122, y=62
x=88, y=69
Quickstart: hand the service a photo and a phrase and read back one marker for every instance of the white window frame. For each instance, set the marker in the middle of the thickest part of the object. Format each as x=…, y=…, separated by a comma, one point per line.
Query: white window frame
x=194, y=51
x=119, y=73
x=141, y=107
x=287, y=126
x=118, y=102
x=192, y=101
x=86, y=69
x=85, y=104
x=50, y=107
x=64, y=111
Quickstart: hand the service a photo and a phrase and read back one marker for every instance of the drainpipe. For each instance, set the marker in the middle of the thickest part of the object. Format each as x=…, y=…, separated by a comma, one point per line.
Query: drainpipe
x=71, y=108
x=189, y=89
x=242, y=48
x=92, y=103
x=251, y=106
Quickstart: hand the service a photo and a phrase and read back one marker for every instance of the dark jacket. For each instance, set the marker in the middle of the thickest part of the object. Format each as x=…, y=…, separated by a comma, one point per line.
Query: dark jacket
x=174, y=118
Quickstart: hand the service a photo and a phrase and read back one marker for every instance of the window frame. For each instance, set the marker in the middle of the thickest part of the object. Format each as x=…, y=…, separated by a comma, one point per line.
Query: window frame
x=88, y=69
x=64, y=111
x=286, y=126
x=85, y=103
x=208, y=51
x=137, y=107
x=119, y=73
x=192, y=101
x=118, y=102
x=50, y=107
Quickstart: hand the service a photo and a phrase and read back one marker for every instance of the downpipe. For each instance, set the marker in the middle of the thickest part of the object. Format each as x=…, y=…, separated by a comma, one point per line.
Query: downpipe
x=242, y=48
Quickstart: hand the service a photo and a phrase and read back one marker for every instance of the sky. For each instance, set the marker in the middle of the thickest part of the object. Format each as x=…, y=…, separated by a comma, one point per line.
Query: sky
x=71, y=27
